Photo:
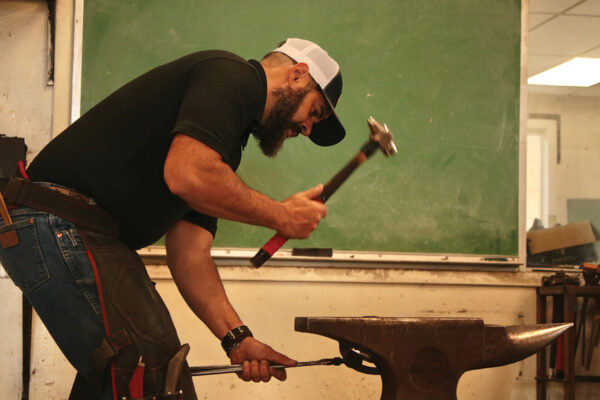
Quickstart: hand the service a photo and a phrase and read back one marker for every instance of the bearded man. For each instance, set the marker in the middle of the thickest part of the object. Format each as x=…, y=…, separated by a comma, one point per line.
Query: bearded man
x=158, y=157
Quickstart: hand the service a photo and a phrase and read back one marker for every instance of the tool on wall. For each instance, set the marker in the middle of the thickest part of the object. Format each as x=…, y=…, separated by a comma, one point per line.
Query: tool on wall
x=593, y=342
x=591, y=277
x=380, y=137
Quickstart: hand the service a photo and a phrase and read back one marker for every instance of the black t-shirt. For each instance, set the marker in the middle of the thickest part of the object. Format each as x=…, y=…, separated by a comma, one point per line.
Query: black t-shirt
x=115, y=152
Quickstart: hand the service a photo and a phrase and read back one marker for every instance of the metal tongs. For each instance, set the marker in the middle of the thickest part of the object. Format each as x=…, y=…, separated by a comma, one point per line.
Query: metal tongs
x=352, y=357
x=226, y=369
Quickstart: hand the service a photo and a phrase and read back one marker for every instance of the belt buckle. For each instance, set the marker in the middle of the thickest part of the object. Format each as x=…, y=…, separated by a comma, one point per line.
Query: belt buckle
x=72, y=193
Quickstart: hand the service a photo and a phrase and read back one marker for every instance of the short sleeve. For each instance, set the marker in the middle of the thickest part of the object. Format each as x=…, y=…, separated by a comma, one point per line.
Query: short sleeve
x=219, y=103
x=205, y=221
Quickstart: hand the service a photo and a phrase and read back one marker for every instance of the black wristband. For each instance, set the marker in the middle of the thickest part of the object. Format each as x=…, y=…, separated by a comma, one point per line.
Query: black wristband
x=234, y=337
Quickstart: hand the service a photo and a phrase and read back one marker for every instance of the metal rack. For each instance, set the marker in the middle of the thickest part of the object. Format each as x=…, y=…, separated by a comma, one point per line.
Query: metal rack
x=570, y=296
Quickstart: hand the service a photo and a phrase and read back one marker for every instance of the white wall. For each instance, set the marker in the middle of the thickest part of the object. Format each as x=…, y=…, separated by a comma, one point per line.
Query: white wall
x=25, y=111
x=576, y=177
x=11, y=344
x=25, y=100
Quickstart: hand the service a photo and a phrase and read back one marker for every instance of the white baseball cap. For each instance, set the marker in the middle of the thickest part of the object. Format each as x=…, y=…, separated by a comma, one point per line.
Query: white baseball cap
x=326, y=72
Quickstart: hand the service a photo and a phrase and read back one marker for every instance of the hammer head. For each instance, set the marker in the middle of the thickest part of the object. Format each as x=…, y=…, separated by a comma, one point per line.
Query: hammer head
x=382, y=135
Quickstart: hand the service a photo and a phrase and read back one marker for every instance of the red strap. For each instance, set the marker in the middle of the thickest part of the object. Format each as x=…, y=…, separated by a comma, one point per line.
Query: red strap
x=136, y=384
x=560, y=344
x=22, y=170
x=103, y=308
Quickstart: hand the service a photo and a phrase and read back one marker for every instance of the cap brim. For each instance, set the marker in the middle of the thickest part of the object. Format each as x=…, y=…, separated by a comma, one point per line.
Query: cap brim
x=330, y=131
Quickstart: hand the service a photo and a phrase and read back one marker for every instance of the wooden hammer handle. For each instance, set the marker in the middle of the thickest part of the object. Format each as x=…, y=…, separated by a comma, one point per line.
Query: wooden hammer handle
x=334, y=183
x=4, y=211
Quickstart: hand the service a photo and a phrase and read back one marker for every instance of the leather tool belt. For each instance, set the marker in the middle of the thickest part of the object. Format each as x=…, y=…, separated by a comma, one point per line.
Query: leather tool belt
x=137, y=321
x=71, y=206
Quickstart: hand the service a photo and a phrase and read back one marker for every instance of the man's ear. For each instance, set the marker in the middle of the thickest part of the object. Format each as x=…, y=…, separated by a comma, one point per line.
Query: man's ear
x=298, y=75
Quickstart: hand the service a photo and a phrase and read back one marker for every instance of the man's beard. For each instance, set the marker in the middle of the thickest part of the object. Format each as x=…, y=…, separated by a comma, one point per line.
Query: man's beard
x=273, y=132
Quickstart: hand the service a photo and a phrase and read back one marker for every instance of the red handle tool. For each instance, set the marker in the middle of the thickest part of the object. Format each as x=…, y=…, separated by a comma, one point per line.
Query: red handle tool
x=330, y=187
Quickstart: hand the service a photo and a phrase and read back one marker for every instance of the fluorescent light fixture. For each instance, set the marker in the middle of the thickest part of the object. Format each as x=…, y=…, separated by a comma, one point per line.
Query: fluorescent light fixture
x=582, y=72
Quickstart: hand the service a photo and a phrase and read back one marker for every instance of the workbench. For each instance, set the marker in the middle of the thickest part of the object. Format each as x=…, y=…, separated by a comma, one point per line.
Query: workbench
x=570, y=296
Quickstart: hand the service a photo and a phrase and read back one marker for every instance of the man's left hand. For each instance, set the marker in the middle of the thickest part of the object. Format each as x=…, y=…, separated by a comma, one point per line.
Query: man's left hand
x=255, y=357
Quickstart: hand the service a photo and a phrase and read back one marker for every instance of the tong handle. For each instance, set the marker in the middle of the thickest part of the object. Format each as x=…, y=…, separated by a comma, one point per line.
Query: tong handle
x=227, y=369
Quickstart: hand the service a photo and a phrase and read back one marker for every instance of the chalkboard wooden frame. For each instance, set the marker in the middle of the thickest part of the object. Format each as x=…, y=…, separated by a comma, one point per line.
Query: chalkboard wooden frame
x=501, y=258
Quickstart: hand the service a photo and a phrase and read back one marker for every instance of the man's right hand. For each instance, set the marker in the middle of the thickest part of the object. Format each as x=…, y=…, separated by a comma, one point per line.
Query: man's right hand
x=303, y=213
x=255, y=357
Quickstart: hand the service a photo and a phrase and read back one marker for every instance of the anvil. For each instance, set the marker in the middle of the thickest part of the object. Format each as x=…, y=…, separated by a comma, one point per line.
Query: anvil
x=423, y=358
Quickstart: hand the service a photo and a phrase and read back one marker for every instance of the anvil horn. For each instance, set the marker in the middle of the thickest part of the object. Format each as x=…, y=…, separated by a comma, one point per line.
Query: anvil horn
x=507, y=344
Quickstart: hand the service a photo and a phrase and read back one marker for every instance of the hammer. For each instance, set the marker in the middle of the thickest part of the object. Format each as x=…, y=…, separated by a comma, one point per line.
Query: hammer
x=380, y=137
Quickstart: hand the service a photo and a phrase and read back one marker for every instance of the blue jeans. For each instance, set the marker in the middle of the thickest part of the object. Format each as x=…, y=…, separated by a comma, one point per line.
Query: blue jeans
x=51, y=267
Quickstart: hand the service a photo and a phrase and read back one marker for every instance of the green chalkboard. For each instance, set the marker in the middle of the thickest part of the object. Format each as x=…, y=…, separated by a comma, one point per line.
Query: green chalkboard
x=443, y=74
